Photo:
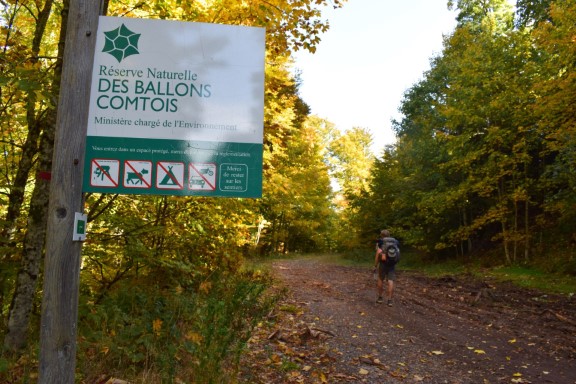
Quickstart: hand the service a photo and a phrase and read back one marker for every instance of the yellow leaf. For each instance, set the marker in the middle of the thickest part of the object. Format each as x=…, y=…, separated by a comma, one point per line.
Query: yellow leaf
x=437, y=352
x=276, y=359
x=518, y=374
x=157, y=326
x=512, y=341
x=194, y=337
x=479, y=351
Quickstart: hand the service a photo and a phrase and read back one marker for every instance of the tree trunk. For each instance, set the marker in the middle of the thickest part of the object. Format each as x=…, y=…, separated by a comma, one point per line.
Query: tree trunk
x=26, y=282
x=505, y=231
x=527, y=233
x=27, y=279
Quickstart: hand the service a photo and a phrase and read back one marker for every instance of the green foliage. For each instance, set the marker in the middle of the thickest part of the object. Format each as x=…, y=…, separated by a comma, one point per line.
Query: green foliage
x=485, y=151
x=4, y=366
x=173, y=333
x=541, y=275
x=532, y=12
x=481, y=14
x=535, y=278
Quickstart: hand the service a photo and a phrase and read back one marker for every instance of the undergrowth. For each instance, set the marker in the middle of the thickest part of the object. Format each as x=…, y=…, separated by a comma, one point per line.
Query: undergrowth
x=164, y=335
x=153, y=332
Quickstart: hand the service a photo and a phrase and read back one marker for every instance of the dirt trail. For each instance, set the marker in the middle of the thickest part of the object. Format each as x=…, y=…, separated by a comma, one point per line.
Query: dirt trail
x=450, y=330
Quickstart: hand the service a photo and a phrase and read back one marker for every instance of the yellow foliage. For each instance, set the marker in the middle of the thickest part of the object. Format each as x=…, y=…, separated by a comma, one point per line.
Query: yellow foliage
x=194, y=337
x=157, y=326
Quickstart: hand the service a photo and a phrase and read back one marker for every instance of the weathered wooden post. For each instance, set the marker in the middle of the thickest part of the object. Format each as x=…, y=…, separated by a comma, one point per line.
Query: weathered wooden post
x=62, y=264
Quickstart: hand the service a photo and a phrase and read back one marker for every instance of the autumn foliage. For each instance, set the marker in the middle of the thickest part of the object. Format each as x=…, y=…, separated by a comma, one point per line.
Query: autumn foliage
x=483, y=164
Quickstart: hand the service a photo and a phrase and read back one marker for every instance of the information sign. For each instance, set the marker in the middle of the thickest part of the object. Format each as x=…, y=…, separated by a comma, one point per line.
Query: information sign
x=176, y=108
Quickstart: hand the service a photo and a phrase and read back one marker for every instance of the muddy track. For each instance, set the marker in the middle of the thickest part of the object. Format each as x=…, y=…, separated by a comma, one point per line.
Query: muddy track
x=448, y=330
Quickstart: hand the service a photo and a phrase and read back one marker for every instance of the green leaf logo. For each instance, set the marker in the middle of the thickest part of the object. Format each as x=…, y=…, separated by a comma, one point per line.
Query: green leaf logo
x=121, y=43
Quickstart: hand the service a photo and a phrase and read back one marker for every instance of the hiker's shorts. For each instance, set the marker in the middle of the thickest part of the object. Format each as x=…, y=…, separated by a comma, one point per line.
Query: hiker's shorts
x=386, y=272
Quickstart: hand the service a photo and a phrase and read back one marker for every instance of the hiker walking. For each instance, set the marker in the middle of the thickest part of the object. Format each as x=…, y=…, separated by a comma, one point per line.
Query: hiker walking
x=385, y=260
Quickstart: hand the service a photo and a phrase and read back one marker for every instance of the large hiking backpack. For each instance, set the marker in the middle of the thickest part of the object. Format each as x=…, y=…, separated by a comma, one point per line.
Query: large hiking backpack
x=391, y=250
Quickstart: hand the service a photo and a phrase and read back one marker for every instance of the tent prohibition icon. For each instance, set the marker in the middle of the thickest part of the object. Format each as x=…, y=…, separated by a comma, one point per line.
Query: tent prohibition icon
x=169, y=175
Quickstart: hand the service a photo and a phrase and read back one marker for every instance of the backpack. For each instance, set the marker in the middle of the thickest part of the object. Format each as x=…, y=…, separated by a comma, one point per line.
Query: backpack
x=391, y=250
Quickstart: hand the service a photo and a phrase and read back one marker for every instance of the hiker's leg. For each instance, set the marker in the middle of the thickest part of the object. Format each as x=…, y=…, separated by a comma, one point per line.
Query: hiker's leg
x=380, y=285
x=390, y=288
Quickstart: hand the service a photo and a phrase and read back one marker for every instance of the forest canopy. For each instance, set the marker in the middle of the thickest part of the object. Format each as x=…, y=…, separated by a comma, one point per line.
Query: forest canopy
x=484, y=159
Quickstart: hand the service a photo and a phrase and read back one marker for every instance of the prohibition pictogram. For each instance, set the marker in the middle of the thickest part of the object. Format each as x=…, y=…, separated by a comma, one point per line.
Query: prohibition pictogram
x=137, y=174
x=202, y=177
x=104, y=173
x=169, y=175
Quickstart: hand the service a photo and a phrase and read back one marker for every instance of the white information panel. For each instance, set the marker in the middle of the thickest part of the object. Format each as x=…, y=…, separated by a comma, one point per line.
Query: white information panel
x=171, y=103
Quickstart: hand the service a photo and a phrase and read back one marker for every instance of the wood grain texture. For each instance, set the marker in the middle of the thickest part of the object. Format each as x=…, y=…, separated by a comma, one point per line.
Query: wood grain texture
x=62, y=263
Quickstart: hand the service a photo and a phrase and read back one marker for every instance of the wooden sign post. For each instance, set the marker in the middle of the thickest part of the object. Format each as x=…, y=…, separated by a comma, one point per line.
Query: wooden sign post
x=62, y=264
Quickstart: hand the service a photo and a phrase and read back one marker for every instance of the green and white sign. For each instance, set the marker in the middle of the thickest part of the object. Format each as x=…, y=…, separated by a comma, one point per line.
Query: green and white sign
x=176, y=108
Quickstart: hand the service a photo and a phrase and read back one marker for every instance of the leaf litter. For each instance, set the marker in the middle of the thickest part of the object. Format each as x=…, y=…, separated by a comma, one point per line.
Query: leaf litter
x=451, y=330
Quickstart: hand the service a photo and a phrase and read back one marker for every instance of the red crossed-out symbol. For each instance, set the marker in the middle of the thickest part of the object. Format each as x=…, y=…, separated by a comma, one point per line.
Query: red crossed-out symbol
x=103, y=171
x=170, y=175
x=201, y=174
x=138, y=174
